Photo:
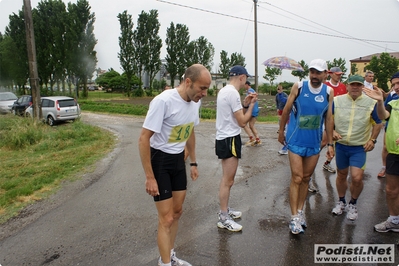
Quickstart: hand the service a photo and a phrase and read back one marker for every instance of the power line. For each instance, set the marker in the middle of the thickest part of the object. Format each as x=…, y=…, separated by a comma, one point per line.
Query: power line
x=278, y=26
x=316, y=23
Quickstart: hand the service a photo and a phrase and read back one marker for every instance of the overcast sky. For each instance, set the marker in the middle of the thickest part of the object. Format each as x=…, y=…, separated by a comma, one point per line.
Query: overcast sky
x=302, y=30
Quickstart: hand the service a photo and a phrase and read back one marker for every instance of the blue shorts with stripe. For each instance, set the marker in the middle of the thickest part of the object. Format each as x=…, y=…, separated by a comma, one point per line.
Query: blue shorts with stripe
x=346, y=156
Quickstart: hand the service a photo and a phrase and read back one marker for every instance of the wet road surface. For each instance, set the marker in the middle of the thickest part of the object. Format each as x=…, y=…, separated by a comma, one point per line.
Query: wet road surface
x=108, y=219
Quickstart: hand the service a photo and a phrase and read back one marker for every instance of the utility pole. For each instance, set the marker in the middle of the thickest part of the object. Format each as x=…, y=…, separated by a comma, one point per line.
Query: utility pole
x=256, y=43
x=31, y=47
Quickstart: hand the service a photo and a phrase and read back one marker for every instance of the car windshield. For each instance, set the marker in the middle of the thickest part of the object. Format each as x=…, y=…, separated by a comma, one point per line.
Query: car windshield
x=8, y=96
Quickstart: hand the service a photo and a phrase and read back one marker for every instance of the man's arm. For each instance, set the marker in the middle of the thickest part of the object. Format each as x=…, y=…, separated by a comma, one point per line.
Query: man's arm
x=191, y=151
x=286, y=112
x=330, y=125
x=244, y=115
x=151, y=185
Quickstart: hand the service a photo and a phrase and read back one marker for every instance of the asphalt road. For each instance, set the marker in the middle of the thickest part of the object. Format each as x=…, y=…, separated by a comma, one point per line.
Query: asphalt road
x=106, y=218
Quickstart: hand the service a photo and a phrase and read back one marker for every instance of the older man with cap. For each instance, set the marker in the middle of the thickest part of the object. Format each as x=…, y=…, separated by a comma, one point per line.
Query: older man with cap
x=250, y=129
x=339, y=88
x=231, y=116
x=308, y=107
x=356, y=130
x=390, y=112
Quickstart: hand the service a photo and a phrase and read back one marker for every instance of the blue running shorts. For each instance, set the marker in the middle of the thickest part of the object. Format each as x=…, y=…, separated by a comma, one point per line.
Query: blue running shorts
x=346, y=156
x=303, y=151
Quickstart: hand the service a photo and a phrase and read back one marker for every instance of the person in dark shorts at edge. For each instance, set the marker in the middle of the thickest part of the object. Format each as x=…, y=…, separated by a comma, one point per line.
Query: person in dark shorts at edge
x=231, y=116
x=308, y=106
x=168, y=127
x=390, y=112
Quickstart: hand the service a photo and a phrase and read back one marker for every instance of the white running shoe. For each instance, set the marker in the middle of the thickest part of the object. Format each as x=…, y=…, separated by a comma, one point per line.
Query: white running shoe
x=386, y=226
x=302, y=220
x=351, y=212
x=229, y=224
x=339, y=208
x=234, y=214
x=295, y=226
x=329, y=168
x=283, y=152
x=175, y=261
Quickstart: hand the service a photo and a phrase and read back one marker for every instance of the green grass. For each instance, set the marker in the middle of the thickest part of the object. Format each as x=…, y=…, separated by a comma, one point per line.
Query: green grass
x=113, y=108
x=35, y=158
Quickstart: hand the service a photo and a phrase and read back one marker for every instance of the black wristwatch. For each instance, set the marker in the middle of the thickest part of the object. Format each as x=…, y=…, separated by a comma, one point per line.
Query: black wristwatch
x=374, y=141
x=194, y=164
x=330, y=144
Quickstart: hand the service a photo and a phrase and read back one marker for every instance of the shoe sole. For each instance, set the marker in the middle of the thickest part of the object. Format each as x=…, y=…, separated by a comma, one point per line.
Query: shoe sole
x=350, y=219
x=387, y=230
x=235, y=217
x=220, y=225
x=329, y=170
x=337, y=213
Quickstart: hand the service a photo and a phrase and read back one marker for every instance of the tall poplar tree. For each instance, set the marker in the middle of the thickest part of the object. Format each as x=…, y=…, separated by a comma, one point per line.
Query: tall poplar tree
x=127, y=52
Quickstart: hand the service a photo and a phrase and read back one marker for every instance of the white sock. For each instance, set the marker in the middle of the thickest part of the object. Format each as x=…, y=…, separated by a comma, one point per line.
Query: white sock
x=172, y=252
x=160, y=262
x=393, y=219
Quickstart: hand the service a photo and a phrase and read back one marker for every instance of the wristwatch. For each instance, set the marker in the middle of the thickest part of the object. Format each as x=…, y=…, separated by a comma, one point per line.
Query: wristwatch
x=330, y=144
x=194, y=164
x=374, y=141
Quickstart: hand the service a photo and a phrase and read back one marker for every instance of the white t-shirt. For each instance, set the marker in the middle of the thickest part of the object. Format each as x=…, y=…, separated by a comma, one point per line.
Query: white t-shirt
x=228, y=102
x=172, y=119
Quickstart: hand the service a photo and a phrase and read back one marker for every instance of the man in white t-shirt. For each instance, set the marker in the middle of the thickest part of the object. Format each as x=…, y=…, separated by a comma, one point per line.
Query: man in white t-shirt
x=231, y=116
x=168, y=127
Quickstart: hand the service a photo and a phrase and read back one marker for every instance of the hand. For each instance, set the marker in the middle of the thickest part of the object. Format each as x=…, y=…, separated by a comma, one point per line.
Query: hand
x=330, y=152
x=397, y=141
x=281, y=137
x=336, y=136
x=369, y=146
x=194, y=172
x=373, y=94
x=151, y=187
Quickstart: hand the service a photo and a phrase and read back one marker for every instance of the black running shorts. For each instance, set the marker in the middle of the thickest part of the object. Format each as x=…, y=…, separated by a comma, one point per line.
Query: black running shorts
x=169, y=171
x=392, y=167
x=228, y=147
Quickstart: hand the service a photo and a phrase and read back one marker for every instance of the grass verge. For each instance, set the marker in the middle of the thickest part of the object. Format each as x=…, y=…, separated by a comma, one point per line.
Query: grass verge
x=35, y=158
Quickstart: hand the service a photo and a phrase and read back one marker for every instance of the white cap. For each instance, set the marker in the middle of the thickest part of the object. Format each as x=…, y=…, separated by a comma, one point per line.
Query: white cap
x=318, y=64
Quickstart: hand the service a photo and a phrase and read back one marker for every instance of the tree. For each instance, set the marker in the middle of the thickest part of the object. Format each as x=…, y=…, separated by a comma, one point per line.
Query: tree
x=201, y=52
x=353, y=69
x=50, y=19
x=154, y=43
x=271, y=74
x=127, y=52
x=177, y=40
x=224, y=65
x=301, y=74
x=82, y=55
x=147, y=44
x=383, y=67
x=237, y=59
x=15, y=50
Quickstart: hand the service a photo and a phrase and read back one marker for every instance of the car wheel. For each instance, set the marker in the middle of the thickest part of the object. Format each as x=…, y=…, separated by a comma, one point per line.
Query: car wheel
x=50, y=120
